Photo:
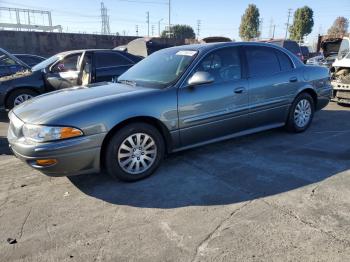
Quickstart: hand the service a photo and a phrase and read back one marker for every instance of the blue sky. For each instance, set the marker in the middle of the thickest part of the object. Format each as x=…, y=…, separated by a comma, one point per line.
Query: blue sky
x=220, y=17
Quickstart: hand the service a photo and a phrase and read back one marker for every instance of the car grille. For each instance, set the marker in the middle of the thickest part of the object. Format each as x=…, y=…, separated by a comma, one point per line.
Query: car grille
x=342, y=94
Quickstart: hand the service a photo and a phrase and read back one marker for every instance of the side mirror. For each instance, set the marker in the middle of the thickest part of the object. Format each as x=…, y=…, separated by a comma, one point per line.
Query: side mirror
x=200, y=78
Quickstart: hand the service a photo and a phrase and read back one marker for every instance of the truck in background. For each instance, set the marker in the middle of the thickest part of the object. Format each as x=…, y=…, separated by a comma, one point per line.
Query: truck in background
x=340, y=73
x=326, y=51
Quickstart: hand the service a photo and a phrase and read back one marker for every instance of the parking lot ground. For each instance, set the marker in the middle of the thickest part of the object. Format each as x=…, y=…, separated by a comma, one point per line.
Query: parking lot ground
x=272, y=196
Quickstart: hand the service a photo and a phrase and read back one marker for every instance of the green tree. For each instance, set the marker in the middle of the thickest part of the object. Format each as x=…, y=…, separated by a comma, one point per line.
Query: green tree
x=249, y=27
x=180, y=32
x=302, y=24
x=339, y=27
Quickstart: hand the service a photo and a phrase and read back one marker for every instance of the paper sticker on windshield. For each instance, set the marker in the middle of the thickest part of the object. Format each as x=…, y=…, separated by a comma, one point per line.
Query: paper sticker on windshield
x=186, y=53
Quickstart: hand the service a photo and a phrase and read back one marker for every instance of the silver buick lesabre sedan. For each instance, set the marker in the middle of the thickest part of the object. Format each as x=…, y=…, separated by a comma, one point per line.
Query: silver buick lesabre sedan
x=175, y=99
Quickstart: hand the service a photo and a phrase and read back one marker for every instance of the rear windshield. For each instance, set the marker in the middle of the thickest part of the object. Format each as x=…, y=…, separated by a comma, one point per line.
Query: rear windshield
x=304, y=50
x=292, y=46
x=289, y=45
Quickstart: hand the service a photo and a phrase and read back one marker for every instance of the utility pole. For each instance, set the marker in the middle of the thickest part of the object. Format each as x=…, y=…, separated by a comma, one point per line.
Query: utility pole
x=273, y=32
x=152, y=30
x=147, y=23
x=137, y=30
x=287, y=25
x=159, y=26
x=261, y=21
x=169, y=19
x=198, y=28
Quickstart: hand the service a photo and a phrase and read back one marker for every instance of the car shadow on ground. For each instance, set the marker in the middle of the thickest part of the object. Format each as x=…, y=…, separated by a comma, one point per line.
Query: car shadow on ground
x=4, y=146
x=4, y=116
x=236, y=170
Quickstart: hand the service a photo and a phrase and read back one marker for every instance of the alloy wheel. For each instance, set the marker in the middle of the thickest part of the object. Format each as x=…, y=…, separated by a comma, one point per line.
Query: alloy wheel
x=137, y=153
x=302, y=113
x=21, y=98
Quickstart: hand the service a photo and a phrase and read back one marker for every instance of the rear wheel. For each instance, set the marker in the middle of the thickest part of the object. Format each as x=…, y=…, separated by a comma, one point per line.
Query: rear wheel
x=301, y=113
x=19, y=96
x=134, y=152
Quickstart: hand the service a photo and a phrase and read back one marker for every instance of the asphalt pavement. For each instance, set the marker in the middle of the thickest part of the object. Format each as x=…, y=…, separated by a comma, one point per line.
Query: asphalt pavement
x=272, y=196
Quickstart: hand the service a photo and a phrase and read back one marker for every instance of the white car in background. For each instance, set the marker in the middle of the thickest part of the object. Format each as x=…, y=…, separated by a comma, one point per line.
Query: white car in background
x=340, y=72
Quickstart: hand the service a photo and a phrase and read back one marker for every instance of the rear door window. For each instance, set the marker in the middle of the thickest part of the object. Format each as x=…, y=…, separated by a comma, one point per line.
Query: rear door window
x=110, y=59
x=262, y=61
x=285, y=62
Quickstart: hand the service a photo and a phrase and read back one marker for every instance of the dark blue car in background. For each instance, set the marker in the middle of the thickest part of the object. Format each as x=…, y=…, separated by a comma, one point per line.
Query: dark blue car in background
x=9, y=64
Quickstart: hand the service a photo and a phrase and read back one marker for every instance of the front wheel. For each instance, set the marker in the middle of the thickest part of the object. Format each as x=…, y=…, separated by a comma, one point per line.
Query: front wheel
x=134, y=152
x=301, y=113
x=19, y=96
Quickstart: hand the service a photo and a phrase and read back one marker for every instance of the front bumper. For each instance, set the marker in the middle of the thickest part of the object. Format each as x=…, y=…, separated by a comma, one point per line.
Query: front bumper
x=74, y=156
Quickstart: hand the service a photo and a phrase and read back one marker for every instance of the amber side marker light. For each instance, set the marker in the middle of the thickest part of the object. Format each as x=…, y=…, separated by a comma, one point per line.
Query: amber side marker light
x=46, y=162
x=68, y=132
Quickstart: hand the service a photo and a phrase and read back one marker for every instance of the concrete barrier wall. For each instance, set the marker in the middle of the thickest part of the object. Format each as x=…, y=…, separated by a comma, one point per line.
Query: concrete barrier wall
x=47, y=44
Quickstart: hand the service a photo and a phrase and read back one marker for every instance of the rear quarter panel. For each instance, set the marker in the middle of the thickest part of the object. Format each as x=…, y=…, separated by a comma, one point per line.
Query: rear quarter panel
x=318, y=78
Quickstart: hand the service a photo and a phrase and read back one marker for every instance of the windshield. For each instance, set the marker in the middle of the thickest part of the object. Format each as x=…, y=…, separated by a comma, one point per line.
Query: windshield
x=46, y=63
x=344, y=49
x=160, y=69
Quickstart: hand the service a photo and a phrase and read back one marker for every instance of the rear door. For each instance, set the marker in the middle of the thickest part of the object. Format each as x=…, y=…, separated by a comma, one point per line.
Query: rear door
x=64, y=73
x=273, y=82
x=109, y=65
x=219, y=108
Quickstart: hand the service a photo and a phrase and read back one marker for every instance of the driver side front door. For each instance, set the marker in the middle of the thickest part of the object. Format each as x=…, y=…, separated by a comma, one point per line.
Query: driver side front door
x=65, y=73
x=217, y=109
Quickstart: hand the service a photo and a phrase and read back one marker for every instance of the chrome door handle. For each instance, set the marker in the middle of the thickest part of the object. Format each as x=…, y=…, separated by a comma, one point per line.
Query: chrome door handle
x=239, y=90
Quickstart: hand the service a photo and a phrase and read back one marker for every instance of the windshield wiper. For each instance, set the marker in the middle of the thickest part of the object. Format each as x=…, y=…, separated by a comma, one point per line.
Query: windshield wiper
x=127, y=82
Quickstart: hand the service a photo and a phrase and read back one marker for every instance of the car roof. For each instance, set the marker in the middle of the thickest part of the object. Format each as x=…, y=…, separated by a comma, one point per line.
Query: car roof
x=210, y=46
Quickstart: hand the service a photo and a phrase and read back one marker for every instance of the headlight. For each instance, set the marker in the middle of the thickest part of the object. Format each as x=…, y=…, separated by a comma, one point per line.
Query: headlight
x=39, y=133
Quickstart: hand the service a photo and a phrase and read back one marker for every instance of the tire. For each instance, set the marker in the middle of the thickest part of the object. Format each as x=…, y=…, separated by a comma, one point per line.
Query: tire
x=122, y=158
x=305, y=104
x=12, y=99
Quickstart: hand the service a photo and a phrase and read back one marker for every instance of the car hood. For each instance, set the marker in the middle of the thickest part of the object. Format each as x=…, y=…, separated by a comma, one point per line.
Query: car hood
x=17, y=76
x=42, y=109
